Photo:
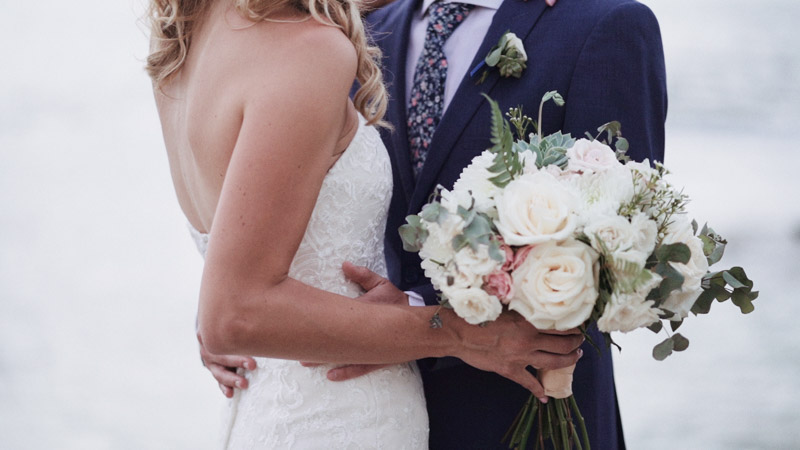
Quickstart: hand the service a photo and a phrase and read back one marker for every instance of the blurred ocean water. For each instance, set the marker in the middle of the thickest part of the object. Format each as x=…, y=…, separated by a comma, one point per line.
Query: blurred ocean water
x=98, y=277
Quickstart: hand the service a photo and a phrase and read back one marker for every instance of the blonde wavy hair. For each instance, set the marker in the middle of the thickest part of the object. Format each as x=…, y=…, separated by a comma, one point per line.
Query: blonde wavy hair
x=173, y=21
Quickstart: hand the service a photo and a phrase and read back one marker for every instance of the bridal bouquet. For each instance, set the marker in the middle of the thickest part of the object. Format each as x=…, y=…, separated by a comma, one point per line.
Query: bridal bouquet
x=569, y=233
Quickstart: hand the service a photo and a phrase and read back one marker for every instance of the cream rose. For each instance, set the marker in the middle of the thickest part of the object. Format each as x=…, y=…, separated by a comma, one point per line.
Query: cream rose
x=556, y=285
x=535, y=208
x=681, y=301
x=473, y=304
x=591, y=156
x=613, y=232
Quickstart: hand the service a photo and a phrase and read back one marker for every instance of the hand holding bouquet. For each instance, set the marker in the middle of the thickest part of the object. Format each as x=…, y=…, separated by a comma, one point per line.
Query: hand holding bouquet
x=568, y=233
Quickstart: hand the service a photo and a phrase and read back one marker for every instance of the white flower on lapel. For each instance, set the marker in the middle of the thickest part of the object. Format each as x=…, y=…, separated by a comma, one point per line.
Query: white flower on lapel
x=508, y=55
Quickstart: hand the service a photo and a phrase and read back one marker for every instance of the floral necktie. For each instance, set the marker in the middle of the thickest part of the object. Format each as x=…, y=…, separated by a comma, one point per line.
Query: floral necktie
x=427, y=92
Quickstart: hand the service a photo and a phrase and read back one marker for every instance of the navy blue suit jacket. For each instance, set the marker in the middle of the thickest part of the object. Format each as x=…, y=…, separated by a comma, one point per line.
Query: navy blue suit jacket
x=605, y=57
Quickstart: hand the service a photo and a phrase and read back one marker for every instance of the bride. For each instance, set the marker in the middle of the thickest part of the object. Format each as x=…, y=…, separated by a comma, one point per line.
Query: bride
x=283, y=179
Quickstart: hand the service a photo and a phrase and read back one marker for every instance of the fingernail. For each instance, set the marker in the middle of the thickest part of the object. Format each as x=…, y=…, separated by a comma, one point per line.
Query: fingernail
x=239, y=384
x=224, y=391
x=333, y=375
x=580, y=353
x=543, y=399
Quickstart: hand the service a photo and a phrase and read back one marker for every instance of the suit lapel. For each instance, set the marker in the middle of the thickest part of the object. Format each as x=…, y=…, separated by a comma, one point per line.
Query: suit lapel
x=396, y=48
x=516, y=16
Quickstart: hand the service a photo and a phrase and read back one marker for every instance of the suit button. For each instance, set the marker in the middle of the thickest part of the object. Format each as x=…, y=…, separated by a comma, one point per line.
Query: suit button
x=410, y=278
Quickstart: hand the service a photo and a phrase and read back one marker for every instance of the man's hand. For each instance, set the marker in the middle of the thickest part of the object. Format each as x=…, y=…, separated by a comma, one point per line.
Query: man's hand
x=223, y=368
x=379, y=291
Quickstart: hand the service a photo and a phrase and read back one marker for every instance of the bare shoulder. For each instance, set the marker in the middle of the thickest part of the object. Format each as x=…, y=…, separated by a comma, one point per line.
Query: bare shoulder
x=304, y=57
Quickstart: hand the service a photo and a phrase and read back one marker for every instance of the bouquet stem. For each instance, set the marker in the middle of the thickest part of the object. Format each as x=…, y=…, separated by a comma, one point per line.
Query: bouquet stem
x=556, y=419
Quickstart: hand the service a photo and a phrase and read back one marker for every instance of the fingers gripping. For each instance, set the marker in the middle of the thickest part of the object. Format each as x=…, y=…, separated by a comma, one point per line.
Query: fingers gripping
x=365, y=278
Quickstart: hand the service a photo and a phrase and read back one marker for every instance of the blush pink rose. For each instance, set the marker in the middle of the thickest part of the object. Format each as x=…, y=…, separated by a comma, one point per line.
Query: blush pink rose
x=520, y=256
x=509, y=254
x=499, y=284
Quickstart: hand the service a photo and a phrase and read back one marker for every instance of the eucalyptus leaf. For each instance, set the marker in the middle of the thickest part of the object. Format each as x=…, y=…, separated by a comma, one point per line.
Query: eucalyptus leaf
x=656, y=327
x=622, y=145
x=742, y=300
x=678, y=252
x=680, y=342
x=495, y=253
x=732, y=281
x=663, y=350
x=675, y=324
x=672, y=280
x=494, y=57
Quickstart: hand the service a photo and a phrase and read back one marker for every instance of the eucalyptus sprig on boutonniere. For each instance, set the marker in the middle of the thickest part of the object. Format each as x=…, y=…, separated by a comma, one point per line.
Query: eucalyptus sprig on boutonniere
x=508, y=55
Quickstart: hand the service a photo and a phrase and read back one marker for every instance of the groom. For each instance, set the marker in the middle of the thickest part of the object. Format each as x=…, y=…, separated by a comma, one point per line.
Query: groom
x=603, y=56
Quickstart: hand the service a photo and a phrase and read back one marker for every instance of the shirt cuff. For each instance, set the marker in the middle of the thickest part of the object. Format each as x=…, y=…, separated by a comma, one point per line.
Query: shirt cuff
x=415, y=299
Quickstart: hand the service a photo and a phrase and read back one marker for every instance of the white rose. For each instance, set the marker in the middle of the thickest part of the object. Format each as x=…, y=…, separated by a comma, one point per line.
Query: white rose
x=603, y=192
x=591, y=156
x=628, y=311
x=535, y=208
x=514, y=42
x=475, y=179
x=610, y=231
x=473, y=304
x=681, y=301
x=556, y=286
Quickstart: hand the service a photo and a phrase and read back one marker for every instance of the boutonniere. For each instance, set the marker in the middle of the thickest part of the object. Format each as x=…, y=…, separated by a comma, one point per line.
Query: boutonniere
x=508, y=55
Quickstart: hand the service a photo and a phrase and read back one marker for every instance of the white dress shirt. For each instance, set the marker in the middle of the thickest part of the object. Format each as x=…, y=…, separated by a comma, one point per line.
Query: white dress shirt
x=460, y=47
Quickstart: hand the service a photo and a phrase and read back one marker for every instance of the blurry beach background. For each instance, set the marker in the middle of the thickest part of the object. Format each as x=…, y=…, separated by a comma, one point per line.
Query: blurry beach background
x=99, y=277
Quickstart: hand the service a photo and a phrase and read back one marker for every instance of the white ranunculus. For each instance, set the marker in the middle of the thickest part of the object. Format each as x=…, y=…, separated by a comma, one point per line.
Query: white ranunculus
x=473, y=304
x=439, y=244
x=451, y=200
x=528, y=160
x=604, y=192
x=475, y=179
x=535, y=208
x=556, y=286
x=478, y=263
x=619, y=237
x=514, y=42
x=436, y=272
x=591, y=156
x=646, y=231
x=628, y=311
x=681, y=301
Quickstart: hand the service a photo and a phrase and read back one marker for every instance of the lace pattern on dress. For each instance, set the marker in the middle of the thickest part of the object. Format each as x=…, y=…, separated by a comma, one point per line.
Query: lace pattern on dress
x=290, y=406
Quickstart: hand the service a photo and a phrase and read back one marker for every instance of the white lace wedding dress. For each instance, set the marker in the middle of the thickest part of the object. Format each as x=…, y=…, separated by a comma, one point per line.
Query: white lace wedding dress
x=290, y=406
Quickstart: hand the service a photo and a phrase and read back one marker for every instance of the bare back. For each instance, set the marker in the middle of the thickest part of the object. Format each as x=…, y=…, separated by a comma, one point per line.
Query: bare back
x=203, y=106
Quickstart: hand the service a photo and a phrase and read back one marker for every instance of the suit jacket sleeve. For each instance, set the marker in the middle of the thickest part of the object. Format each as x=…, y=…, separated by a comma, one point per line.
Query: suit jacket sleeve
x=620, y=75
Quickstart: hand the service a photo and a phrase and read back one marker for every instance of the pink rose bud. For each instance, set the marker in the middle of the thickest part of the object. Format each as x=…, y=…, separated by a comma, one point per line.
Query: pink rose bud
x=499, y=284
x=519, y=258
